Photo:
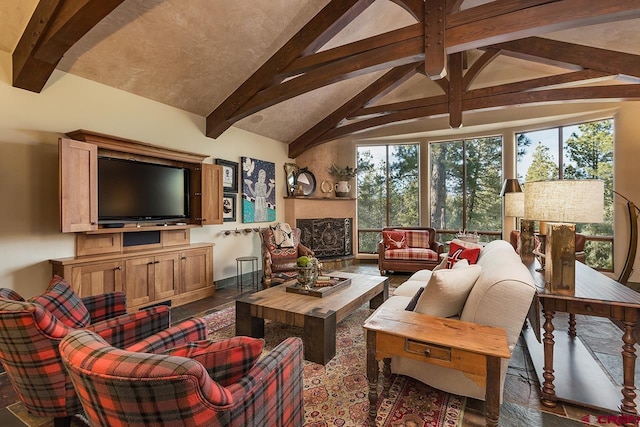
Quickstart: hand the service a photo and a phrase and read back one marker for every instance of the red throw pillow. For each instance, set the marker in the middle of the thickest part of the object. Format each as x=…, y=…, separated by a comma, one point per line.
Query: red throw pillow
x=457, y=252
x=394, y=240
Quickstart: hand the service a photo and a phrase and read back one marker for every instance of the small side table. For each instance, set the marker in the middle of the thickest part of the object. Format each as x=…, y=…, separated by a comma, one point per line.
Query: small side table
x=254, y=271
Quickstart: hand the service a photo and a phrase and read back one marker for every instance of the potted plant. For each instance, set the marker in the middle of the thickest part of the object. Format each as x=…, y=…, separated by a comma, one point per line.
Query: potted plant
x=343, y=174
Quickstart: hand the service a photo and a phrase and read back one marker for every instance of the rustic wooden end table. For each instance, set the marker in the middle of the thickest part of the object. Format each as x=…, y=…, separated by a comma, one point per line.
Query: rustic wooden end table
x=471, y=348
x=317, y=316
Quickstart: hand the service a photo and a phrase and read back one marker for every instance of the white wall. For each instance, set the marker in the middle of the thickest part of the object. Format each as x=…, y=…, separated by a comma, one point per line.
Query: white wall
x=30, y=125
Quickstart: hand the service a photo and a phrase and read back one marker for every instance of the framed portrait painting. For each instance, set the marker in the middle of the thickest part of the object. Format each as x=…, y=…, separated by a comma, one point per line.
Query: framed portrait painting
x=229, y=175
x=229, y=207
x=258, y=190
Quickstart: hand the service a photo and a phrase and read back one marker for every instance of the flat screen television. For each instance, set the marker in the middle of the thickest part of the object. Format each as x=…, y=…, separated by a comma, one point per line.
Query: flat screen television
x=130, y=191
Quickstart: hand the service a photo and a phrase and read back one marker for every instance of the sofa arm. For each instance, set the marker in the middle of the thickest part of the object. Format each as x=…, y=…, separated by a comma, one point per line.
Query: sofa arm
x=123, y=331
x=275, y=385
x=437, y=247
x=106, y=306
x=193, y=329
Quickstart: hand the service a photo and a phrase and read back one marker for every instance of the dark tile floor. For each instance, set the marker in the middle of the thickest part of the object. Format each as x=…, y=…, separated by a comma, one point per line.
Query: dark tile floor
x=521, y=406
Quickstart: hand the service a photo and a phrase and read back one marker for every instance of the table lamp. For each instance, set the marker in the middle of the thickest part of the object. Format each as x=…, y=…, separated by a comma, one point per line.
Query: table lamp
x=561, y=204
x=514, y=206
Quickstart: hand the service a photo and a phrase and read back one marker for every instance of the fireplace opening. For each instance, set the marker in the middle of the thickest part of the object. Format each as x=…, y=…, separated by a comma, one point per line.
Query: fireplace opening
x=327, y=237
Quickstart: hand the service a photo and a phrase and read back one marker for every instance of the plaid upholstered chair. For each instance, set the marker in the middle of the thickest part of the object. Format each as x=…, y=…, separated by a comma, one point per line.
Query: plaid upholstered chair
x=30, y=332
x=199, y=384
x=279, y=255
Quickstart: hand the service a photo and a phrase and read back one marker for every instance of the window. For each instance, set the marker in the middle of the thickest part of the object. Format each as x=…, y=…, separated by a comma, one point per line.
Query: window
x=388, y=191
x=466, y=178
x=581, y=151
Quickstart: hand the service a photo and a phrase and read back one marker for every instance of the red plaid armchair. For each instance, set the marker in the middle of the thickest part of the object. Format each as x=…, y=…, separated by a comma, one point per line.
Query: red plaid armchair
x=199, y=384
x=279, y=258
x=30, y=333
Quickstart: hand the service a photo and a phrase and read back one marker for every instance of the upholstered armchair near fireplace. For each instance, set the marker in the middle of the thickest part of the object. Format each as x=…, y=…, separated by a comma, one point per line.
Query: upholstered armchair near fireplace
x=281, y=248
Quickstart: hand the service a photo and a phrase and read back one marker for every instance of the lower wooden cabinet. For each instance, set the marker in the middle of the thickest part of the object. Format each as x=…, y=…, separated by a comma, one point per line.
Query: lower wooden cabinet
x=180, y=274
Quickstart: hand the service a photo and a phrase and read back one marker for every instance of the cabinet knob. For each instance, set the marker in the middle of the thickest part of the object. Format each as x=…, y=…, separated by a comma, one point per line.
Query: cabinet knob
x=184, y=258
x=427, y=352
x=118, y=268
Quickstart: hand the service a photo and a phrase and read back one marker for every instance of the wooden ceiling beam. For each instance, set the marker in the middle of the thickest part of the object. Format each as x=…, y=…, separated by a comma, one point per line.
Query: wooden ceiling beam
x=54, y=27
x=456, y=90
x=378, y=59
x=614, y=92
x=308, y=63
x=370, y=94
x=336, y=15
x=583, y=56
x=381, y=110
x=435, y=55
x=467, y=30
x=479, y=65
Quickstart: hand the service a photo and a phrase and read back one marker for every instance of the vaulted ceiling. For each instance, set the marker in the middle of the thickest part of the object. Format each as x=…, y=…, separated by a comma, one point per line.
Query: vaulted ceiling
x=310, y=71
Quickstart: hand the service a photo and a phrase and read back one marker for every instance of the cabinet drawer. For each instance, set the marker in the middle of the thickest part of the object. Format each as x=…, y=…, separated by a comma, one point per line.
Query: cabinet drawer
x=175, y=237
x=590, y=309
x=430, y=351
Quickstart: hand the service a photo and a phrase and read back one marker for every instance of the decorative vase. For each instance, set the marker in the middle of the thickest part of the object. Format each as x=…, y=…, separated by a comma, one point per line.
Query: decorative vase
x=342, y=189
x=307, y=276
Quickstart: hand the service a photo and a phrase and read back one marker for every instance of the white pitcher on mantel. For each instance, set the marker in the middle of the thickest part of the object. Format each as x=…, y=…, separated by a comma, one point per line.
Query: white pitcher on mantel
x=342, y=189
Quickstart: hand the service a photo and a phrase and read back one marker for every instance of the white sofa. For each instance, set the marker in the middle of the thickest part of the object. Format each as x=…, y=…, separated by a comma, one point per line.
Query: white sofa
x=501, y=296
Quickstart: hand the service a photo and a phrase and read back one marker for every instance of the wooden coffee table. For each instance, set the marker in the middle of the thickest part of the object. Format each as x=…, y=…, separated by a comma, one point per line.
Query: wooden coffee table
x=317, y=316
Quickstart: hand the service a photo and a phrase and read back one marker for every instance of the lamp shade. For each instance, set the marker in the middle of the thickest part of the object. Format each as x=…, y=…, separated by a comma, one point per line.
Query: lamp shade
x=514, y=205
x=510, y=185
x=574, y=201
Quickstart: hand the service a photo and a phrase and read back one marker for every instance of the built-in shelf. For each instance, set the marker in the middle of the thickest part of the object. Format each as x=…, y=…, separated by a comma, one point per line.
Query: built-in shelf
x=132, y=228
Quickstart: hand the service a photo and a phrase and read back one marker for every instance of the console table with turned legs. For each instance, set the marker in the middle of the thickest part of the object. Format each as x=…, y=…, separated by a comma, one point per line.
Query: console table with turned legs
x=566, y=369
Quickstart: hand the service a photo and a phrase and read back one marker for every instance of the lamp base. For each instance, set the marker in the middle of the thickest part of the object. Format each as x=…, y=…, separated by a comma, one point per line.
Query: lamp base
x=560, y=254
x=527, y=239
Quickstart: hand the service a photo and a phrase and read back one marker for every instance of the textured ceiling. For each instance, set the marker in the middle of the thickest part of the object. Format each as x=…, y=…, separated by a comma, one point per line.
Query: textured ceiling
x=192, y=55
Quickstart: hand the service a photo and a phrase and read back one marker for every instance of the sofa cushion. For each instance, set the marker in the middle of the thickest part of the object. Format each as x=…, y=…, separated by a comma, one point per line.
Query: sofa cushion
x=394, y=239
x=458, y=252
x=411, y=254
x=447, y=291
x=418, y=238
x=64, y=304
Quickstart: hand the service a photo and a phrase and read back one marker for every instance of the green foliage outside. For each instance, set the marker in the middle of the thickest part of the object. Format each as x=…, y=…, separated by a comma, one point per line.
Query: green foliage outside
x=472, y=203
x=388, y=190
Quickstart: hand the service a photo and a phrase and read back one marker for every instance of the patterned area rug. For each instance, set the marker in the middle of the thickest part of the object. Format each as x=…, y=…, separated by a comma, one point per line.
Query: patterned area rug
x=336, y=394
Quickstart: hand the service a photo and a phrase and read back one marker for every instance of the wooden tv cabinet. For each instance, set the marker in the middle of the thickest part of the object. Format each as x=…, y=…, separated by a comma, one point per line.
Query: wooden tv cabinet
x=151, y=263
x=149, y=273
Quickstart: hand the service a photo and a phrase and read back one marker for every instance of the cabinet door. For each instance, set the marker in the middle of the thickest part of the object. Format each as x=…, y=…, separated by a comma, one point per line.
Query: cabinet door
x=97, y=278
x=211, y=194
x=139, y=274
x=78, y=186
x=197, y=269
x=166, y=276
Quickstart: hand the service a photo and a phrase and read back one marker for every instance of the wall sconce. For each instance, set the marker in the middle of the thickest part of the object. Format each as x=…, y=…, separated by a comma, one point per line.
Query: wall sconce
x=561, y=204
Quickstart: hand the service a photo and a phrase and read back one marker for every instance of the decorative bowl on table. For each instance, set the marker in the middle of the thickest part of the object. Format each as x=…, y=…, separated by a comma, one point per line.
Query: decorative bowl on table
x=468, y=237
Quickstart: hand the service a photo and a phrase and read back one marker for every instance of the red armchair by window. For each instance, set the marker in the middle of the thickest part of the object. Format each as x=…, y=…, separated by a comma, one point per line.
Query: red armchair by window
x=30, y=332
x=408, y=249
x=199, y=384
x=281, y=248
